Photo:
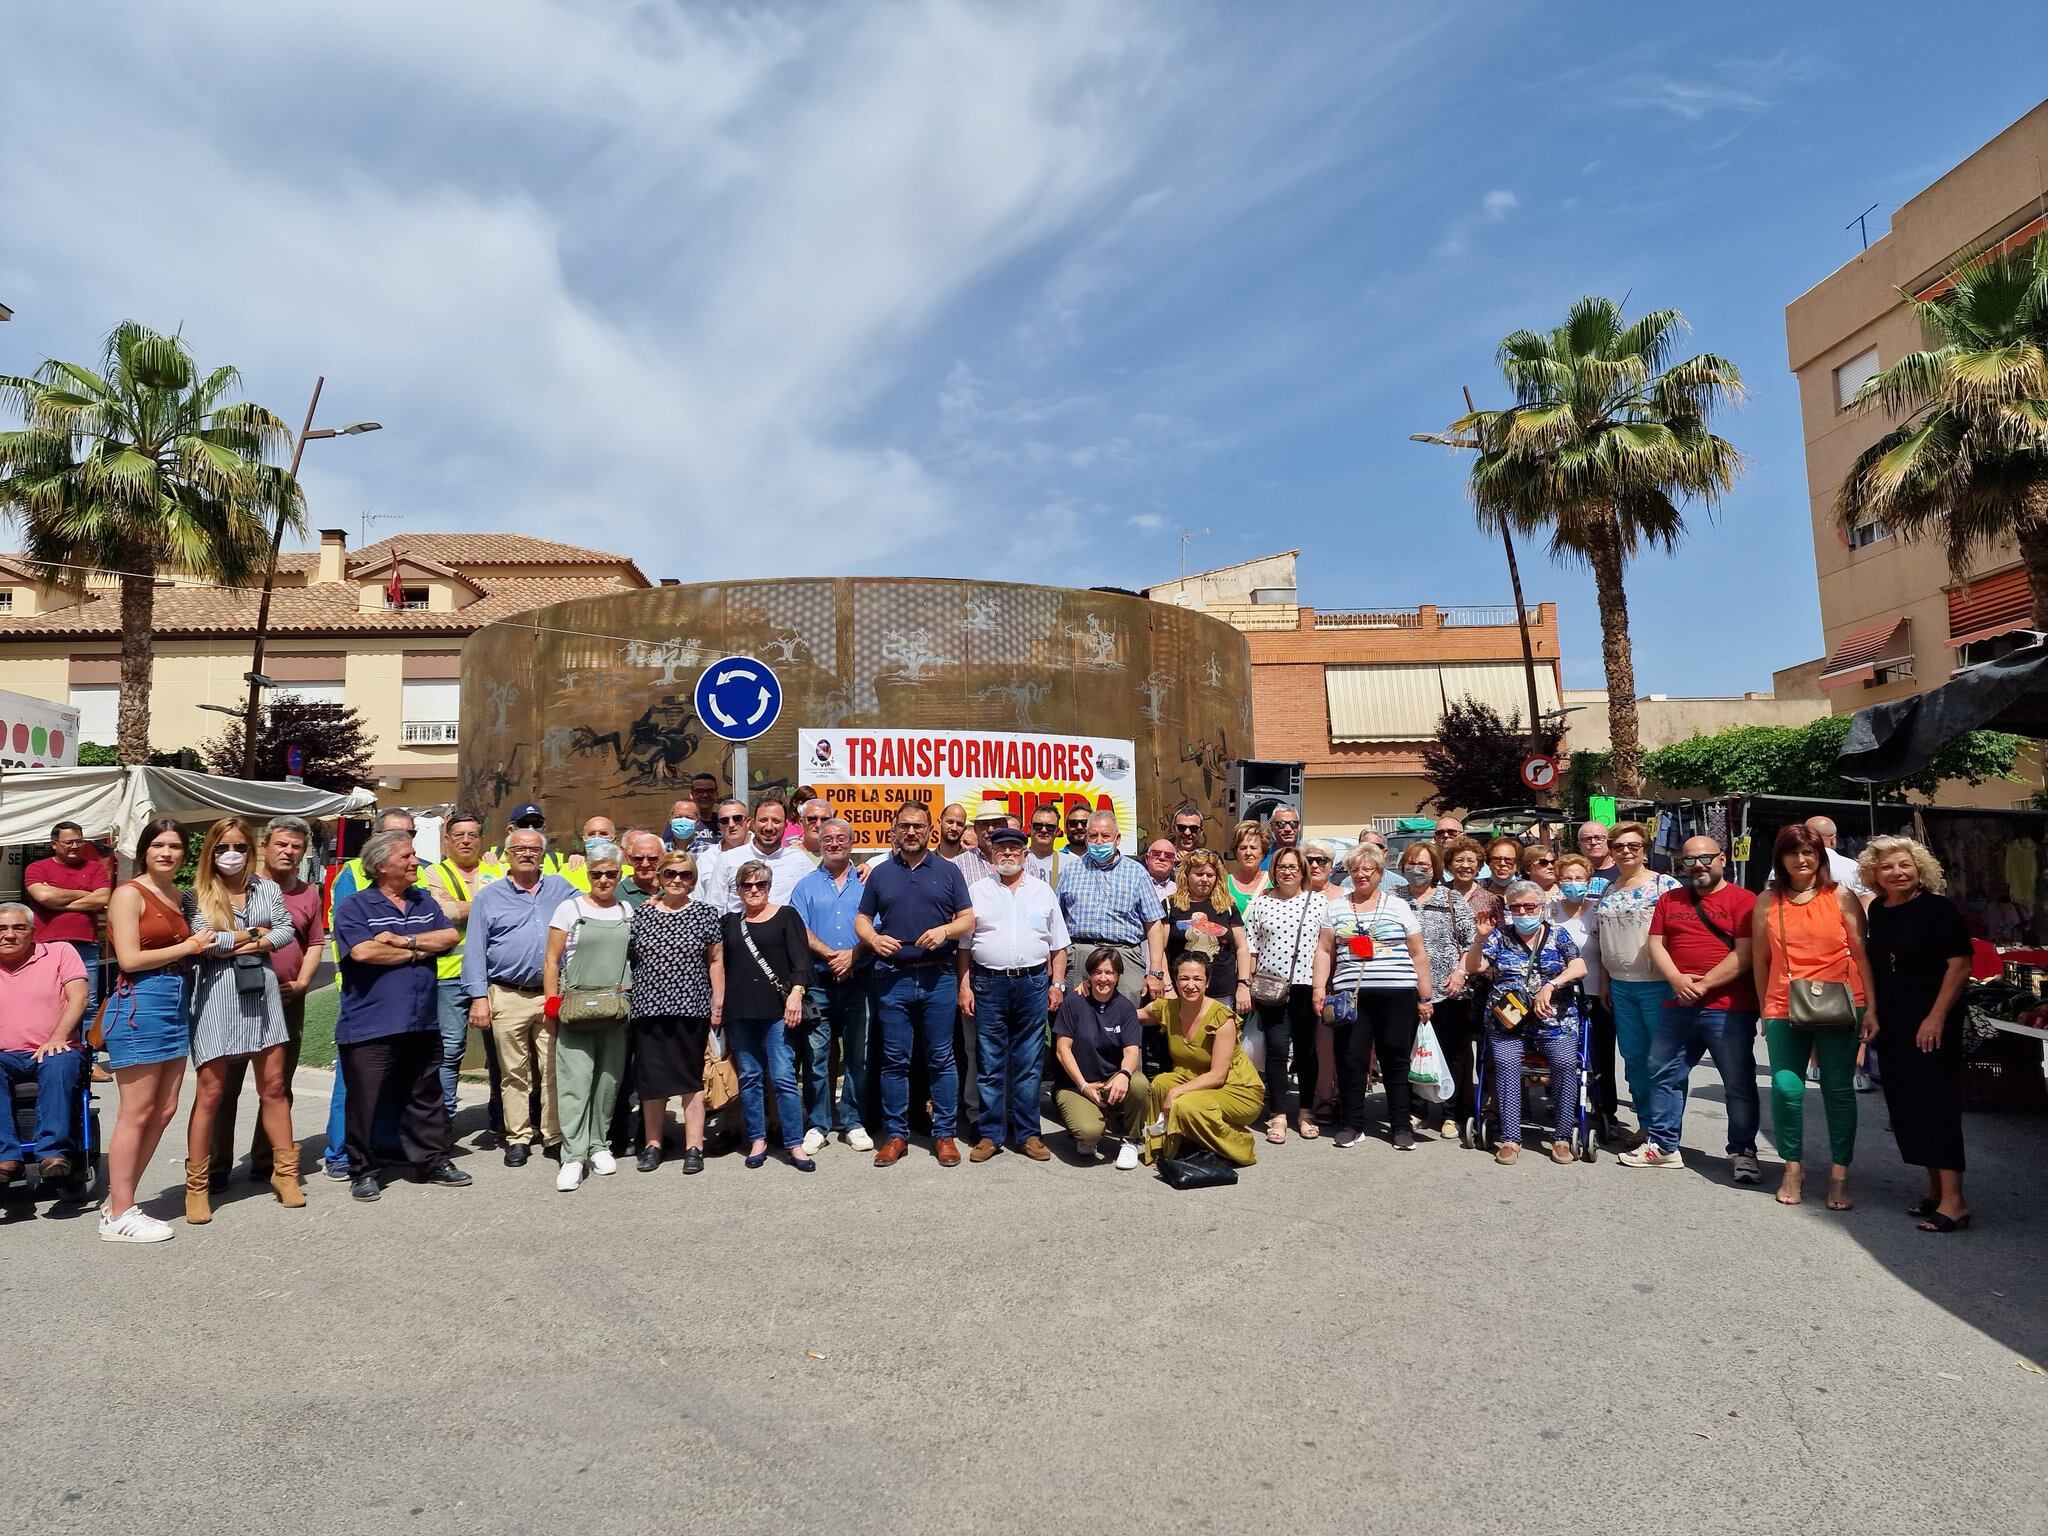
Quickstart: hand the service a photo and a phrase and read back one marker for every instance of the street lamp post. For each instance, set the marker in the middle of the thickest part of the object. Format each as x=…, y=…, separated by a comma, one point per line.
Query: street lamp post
x=257, y=681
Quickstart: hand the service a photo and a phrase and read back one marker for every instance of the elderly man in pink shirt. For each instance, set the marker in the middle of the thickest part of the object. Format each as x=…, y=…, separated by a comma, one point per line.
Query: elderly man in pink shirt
x=42, y=999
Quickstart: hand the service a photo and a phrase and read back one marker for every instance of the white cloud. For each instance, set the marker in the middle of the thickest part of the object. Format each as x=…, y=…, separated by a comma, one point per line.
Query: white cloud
x=1498, y=204
x=1494, y=208
x=1148, y=521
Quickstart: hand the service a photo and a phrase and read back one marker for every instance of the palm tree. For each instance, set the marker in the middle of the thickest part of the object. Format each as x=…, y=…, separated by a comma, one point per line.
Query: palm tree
x=1606, y=437
x=1969, y=465
x=140, y=469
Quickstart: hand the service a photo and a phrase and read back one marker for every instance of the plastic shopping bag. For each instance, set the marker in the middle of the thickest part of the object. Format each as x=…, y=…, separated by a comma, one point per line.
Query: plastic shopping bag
x=1429, y=1075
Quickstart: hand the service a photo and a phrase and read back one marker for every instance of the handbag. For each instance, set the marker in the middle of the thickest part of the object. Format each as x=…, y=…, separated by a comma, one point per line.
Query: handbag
x=595, y=1007
x=721, y=1078
x=1199, y=1169
x=1273, y=990
x=1814, y=1004
x=810, y=1016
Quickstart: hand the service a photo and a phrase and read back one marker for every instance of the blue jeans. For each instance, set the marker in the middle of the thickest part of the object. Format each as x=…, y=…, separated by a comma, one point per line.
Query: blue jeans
x=56, y=1079
x=383, y=1131
x=451, y=1008
x=769, y=1044
x=1683, y=1035
x=843, y=1015
x=917, y=1006
x=1009, y=1025
x=1636, y=1006
x=90, y=955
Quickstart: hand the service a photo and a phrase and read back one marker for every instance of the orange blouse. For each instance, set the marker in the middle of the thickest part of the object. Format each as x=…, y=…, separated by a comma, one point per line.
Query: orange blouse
x=1809, y=941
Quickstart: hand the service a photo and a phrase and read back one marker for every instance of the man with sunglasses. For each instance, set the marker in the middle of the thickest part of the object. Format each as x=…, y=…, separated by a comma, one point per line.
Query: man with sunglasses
x=530, y=816
x=1187, y=832
x=811, y=817
x=1077, y=829
x=1700, y=940
x=501, y=972
x=914, y=910
x=1162, y=858
x=1448, y=830
x=1043, y=854
x=1285, y=827
x=828, y=901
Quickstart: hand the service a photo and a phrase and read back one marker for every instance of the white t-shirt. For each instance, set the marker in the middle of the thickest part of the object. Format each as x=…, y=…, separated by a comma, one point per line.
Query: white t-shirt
x=583, y=907
x=1387, y=921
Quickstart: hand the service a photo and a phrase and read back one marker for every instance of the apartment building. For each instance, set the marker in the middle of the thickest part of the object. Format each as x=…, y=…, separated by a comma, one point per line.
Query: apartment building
x=1354, y=694
x=341, y=629
x=1896, y=619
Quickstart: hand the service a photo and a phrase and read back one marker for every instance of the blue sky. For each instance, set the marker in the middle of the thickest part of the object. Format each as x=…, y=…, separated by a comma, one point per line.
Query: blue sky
x=983, y=289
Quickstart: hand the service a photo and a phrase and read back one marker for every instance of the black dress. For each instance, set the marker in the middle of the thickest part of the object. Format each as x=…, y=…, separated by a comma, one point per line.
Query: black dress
x=1911, y=946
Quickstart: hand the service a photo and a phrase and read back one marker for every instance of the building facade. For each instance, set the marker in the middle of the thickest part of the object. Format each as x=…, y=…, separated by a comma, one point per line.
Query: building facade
x=1354, y=694
x=336, y=634
x=1896, y=620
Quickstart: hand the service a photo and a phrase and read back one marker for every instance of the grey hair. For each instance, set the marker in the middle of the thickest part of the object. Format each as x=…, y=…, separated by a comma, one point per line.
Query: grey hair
x=1365, y=853
x=816, y=800
x=602, y=851
x=1319, y=848
x=379, y=848
x=385, y=816
x=626, y=837
x=17, y=906
x=1519, y=888
x=752, y=869
x=287, y=824
x=839, y=822
x=1107, y=816
x=512, y=832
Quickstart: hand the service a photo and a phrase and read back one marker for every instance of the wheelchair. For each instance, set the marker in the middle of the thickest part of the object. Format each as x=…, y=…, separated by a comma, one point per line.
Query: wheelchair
x=87, y=1183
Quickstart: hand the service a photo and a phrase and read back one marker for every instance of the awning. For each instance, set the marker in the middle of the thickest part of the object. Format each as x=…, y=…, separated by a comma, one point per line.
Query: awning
x=120, y=802
x=1862, y=651
x=1405, y=702
x=1990, y=606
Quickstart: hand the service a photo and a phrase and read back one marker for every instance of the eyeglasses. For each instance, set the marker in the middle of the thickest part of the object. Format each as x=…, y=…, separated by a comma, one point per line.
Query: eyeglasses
x=1045, y=826
x=645, y=858
x=1315, y=859
x=754, y=885
x=814, y=816
x=1188, y=829
x=730, y=821
x=678, y=874
x=604, y=874
x=1285, y=826
x=1543, y=863
x=1700, y=859
x=1631, y=846
x=532, y=823
x=1524, y=908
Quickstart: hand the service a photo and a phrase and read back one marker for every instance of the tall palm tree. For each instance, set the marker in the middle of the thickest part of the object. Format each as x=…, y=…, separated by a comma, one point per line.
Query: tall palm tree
x=1969, y=464
x=139, y=468
x=1607, y=436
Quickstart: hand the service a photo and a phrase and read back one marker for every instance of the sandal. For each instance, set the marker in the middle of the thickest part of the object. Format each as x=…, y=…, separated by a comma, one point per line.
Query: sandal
x=1838, y=1196
x=1938, y=1222
x=1276, y=1129
x=1925, y=1208
x=1309, y=1129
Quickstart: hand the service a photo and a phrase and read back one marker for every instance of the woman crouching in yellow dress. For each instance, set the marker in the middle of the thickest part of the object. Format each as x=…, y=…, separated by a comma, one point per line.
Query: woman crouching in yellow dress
x=1213, y=1094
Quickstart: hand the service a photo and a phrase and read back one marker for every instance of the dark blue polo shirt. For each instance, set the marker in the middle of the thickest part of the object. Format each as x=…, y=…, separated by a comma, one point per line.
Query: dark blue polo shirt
x=380, y=1000
x=903, y=902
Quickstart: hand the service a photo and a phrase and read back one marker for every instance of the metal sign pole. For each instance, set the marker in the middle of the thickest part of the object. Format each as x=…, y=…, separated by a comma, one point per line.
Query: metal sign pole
x=739, y=771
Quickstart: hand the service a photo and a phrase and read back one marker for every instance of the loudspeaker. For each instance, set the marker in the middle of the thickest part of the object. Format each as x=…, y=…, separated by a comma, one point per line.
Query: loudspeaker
x=1258, y=789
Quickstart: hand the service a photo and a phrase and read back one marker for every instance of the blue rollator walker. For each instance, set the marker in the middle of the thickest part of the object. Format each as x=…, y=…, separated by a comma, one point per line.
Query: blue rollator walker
x=87, y=1183
x=1535, y=1073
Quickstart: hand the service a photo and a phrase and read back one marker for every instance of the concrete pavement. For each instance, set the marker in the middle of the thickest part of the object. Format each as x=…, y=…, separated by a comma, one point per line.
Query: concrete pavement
x=1356, y=1341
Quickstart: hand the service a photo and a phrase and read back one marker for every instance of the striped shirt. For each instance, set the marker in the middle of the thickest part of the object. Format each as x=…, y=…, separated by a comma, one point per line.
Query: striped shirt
x=1382, y=925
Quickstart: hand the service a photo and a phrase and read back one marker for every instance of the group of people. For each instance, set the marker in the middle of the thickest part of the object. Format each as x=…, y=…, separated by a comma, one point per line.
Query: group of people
x=1185, y=1002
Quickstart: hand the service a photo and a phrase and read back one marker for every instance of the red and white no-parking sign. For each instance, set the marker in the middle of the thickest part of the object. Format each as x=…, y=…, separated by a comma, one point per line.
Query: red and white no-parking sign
x=1539, y=773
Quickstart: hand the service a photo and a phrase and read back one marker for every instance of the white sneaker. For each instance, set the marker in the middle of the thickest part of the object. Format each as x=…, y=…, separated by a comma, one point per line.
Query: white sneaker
x=860, y=1140
x=1127, y=1156
x=1862, y=1082
x=814, y=1141
x=571, y=1176
x=602, y=1161
x=1649, y=1155
x=134, y=1226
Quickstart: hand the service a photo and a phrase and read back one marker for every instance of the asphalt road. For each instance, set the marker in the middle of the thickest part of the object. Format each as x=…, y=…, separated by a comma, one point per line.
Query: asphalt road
x=1362, y=1341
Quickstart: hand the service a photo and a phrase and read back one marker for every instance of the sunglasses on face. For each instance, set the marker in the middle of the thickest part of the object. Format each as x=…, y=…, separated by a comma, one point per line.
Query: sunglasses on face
x=604, y=874
x=1629, y=847
x=227, y=847
x=1525, y=909
x=1702, y=860
x=678, y=874
x=1543, y=863
x=1314, y=860
x=1045, y=826
x=753, y=885
x=530, y=824
x=730, y=821
x=1188, y=829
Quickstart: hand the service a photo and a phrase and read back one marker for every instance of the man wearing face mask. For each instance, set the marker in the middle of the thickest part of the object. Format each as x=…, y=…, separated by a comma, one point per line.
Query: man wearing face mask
x=691, y=830
x=1012, y=970
x=1109, y=899
x=1700, y=940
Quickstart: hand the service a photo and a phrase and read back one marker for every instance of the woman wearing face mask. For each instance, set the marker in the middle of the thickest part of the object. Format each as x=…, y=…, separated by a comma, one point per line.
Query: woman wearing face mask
x=1534, y=965
x=1211, y=1096
x=1635, y=989
x=1577, y=912
x=1503, y=864
x=1281, y=927
x=1448, y=935
x=1371, y=949
x=237, y=1011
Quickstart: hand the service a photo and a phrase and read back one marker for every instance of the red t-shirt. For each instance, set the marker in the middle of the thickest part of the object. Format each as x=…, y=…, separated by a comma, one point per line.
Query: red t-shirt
x=74, y=927
x=1695, y=949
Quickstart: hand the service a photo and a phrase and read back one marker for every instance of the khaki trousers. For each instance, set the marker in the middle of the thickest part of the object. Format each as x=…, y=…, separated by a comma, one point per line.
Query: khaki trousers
x=1088, y=1122
x=526, y=1052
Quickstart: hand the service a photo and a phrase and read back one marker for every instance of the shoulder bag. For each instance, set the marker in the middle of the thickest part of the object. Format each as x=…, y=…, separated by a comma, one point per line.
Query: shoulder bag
x=1514, y=1004
x=600, y=948
x=1274, y=990
x=1814, y=1004
x=1199, y=1169
x=810, y=1014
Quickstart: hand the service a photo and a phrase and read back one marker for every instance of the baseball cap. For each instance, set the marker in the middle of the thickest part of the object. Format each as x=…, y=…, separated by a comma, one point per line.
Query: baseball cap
x=526, y=811
x=1007, y=837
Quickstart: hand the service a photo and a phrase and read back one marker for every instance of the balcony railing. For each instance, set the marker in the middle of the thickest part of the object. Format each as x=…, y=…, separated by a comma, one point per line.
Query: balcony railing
x=428, y=733
x=1368, y=618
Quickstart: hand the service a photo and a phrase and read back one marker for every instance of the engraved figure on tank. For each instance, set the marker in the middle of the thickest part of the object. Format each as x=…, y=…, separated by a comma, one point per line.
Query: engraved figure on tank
x=1098, y=645
x=1155, y=688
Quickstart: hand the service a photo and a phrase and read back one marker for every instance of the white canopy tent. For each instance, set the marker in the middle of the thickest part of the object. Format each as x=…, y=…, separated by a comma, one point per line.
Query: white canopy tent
x=120, y=802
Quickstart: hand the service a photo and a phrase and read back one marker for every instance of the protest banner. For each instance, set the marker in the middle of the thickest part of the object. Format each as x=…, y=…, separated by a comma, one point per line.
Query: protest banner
x=865, y=773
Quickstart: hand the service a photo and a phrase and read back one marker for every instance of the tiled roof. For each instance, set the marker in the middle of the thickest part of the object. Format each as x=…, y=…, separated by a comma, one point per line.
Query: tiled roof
x=462, y=549
x=316, y=610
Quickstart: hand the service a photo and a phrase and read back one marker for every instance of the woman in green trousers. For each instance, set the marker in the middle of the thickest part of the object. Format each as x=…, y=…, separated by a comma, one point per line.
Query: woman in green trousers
x=588, y=940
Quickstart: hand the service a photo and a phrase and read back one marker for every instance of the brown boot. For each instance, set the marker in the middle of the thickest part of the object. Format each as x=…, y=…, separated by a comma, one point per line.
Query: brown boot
x=284, y=1176
x=198, y=1210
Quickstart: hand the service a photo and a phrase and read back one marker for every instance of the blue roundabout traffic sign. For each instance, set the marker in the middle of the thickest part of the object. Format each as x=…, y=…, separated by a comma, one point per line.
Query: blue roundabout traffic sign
x=738, y=697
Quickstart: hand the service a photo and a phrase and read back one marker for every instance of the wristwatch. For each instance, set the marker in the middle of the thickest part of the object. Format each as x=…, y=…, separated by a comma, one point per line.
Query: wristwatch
x=1155, y=975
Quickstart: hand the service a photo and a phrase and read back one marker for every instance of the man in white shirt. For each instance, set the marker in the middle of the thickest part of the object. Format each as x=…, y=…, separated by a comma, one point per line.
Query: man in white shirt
x=1042, y=857
x=1841, y=867
x=1012, y=968
x=786, y=865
